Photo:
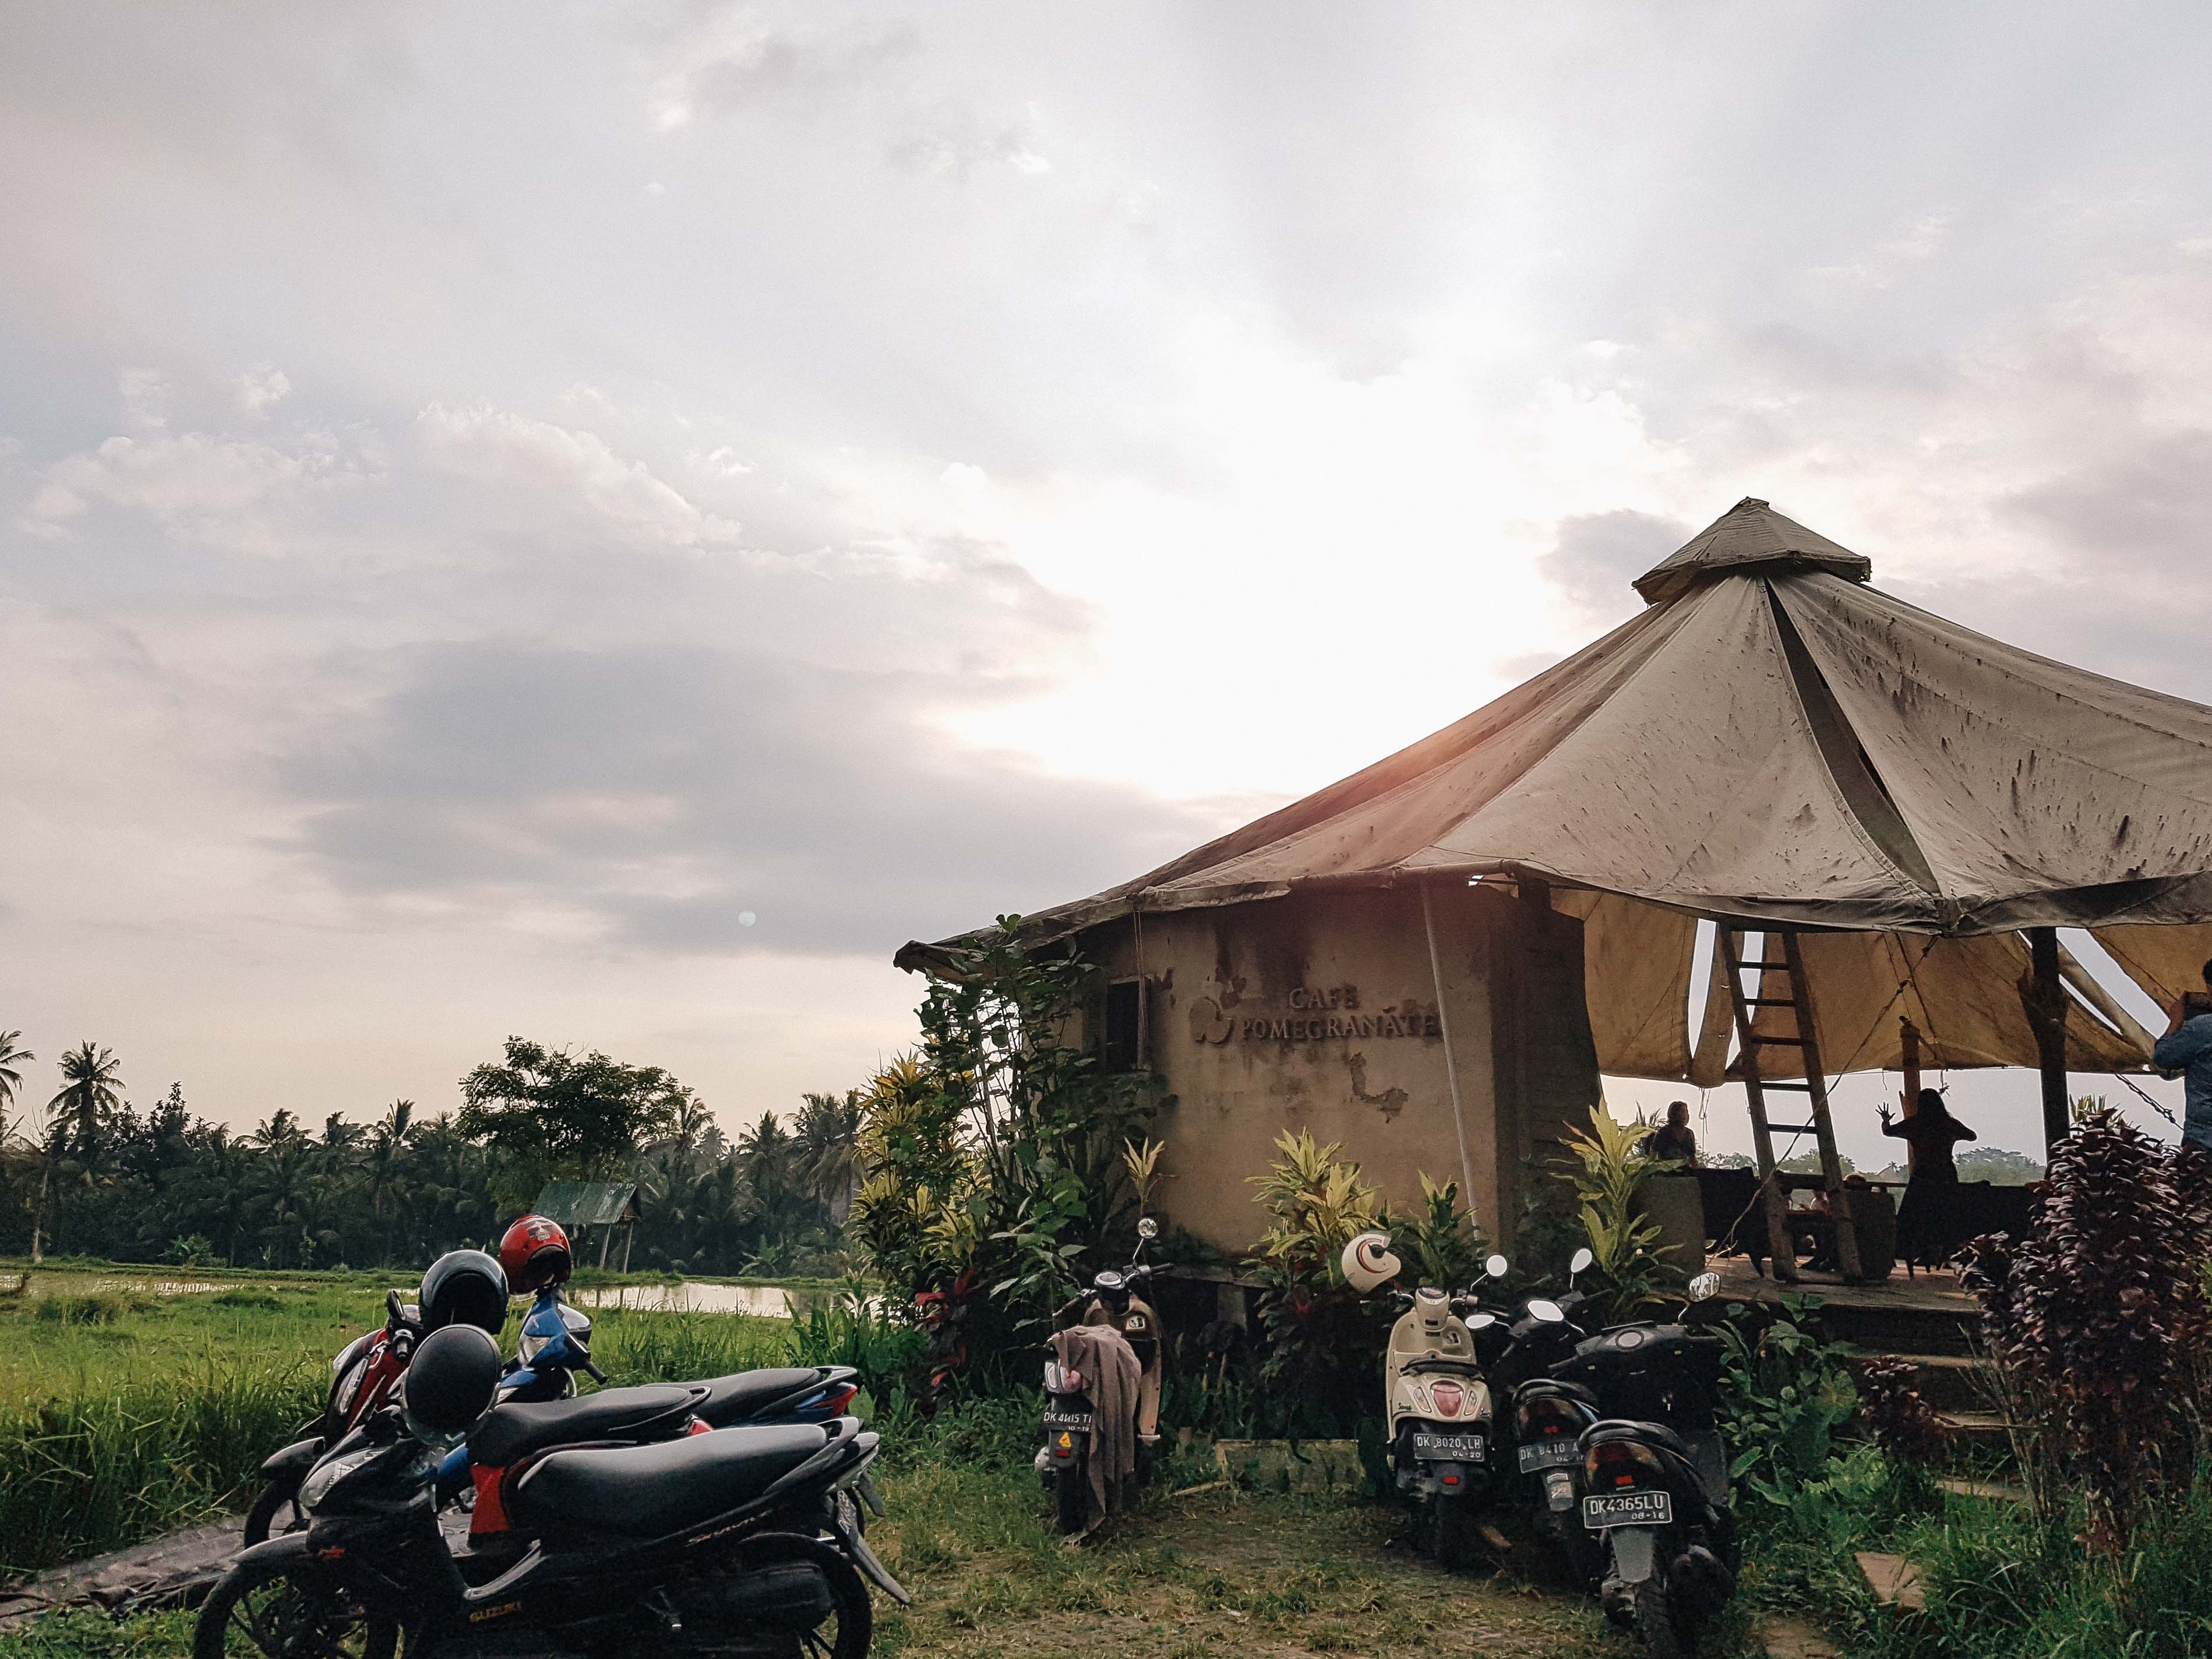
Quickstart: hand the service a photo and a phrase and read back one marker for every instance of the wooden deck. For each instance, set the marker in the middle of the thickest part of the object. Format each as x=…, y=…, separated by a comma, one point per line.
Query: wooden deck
x=1933, y=1290
x=1926, y=1314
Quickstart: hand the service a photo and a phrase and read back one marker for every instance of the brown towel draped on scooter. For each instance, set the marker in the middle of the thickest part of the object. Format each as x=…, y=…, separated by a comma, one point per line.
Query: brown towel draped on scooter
x=1111, y=1377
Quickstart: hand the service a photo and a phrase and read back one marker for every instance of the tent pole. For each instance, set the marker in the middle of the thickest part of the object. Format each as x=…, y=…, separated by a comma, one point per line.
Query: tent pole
x=2047, y=1002
x=1908, y=1038
x=1451, y=1067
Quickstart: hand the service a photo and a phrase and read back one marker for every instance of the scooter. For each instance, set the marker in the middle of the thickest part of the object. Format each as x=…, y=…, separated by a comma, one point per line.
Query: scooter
x=363, y=1379
x=1654, y=1477
x=699, y=1546
x=1548, y=1418
x=1070, y=1420
x=1438, y=1400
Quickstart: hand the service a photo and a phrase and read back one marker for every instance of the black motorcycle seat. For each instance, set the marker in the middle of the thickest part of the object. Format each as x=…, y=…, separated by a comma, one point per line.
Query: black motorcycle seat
x=645, y=1491
x=1550, y=1387
x=734, y=1398
x=1623, y=1428
x=511, y=1431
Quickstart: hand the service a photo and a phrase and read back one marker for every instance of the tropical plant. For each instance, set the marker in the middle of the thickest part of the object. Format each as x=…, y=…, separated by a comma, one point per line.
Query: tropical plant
x=1441, y=1241
x=1785, y=1390
x=1322, y=1336
x=1609, y=1164
x=2098, y=1319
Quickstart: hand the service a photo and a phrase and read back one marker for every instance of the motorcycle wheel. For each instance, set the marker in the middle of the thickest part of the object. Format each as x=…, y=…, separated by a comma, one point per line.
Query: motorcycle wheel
x=274, y=1513
x=1455, y=1535
x=259, y=1611
x=1581, y=1555
x=1663, y=1629
x=1071, y=1491
x=846, y=1633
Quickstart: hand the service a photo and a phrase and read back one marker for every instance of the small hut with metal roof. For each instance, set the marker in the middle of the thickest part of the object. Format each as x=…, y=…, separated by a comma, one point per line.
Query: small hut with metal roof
x=579, y=1206
x=1887, y=815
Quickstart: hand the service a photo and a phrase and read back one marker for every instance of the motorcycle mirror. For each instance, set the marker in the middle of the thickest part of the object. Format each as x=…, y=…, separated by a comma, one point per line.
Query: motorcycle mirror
x=1547, y=1313
x=1148, y=1227
x=1582, y=1263
x=1497, y=1267
x=1481, y=1321
x=1704, y=1285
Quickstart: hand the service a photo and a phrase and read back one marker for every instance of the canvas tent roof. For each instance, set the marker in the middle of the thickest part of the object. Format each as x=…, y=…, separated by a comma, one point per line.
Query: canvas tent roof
x=1773, y=739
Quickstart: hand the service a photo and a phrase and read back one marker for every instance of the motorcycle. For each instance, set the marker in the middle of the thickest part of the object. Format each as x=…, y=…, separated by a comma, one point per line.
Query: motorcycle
x=721, y=1544
x=1653, y=1478
x=1437, y=1396
x=1070, y=1420
x=1549, y=1415
x=553, y=1345
x=362, y=1379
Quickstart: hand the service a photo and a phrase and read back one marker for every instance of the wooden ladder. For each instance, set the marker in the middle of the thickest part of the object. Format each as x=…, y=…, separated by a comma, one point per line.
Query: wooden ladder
x=1814, y=1088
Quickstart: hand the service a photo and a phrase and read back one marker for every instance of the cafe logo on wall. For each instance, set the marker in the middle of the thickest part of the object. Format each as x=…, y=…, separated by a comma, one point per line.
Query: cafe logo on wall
x=1317, y=1014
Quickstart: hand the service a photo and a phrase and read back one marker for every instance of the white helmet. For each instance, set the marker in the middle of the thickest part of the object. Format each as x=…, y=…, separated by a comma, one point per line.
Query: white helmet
x=1368, y=1262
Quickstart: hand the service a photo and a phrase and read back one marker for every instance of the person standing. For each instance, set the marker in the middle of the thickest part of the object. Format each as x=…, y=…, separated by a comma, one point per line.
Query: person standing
x=2185, y=1051
x=1932, y=1131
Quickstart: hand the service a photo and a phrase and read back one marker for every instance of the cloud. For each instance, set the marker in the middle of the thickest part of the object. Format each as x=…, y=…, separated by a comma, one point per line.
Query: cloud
x=237, y=493
x=1598, y=555
x=262, y=387
x=563, y=467
x=656, y=796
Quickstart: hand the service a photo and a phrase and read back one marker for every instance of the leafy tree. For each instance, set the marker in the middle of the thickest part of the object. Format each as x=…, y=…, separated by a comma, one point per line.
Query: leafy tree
x=552, y=1114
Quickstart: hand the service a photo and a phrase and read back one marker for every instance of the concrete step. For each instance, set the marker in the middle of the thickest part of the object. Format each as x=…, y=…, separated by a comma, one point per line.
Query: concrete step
x=1950, y=1382
x=1993, y=1492
x=1977, y=1428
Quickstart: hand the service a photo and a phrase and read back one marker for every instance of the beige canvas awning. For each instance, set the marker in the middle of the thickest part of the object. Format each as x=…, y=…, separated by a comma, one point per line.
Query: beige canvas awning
x=1772, y=739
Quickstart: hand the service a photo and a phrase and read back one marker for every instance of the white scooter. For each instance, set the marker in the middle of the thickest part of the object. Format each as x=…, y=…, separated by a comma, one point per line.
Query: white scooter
x=1442, y=1438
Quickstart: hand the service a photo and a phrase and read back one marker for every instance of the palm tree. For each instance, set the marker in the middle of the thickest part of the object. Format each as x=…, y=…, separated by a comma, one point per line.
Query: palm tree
x=384, y=1167
x=829, y=1134
x=89, y=1087
x=11, y=1056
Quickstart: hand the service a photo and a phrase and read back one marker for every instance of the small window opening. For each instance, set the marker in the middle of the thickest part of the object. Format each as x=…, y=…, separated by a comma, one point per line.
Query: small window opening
x=1118, y=1052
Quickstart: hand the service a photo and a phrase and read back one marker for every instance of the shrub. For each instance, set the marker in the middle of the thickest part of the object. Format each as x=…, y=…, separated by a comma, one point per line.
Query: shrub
x=2097, y=1318
x=1785, y=1390
x=1903, y=1425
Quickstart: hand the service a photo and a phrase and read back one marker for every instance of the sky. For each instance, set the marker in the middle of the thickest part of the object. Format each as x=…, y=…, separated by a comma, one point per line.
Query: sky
x=602, y=522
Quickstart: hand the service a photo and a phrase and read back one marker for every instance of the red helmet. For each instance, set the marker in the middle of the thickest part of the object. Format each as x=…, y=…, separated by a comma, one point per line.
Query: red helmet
x=535, y=1252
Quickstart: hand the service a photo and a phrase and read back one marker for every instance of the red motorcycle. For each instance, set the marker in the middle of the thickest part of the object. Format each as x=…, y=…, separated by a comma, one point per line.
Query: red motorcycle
x=462, y=1287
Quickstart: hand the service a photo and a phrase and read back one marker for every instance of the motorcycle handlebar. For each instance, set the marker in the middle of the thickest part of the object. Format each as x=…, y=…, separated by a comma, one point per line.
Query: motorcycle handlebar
x=595, y=1373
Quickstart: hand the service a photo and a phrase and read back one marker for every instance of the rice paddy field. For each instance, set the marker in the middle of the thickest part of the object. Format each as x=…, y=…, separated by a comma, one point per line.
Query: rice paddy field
x=135, y=1401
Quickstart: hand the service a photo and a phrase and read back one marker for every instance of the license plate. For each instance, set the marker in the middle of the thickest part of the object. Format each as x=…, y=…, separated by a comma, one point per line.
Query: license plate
x=1628, y=1509
x=1078, y=1422
x=1547, y=1454
x=1449, y=1448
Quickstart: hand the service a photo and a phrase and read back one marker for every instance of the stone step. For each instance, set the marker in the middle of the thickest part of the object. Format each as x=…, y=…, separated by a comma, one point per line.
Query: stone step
x=1994, y=1492
x=1895, y=1582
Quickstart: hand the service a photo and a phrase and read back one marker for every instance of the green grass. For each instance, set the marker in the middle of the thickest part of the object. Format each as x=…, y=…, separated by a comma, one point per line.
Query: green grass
x=125, y=1413
x=1256, y=1577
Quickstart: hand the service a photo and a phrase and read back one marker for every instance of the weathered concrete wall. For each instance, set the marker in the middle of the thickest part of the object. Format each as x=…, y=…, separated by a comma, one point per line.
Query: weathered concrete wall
x=1319, y=1012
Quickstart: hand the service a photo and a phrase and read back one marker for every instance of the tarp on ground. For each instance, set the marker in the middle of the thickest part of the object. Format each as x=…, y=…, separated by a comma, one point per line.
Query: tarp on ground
x=1772, y=739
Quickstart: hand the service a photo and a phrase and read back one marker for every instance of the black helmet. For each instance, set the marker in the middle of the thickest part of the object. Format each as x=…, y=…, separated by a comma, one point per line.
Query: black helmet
x=449, y=1383
x=465, y=1288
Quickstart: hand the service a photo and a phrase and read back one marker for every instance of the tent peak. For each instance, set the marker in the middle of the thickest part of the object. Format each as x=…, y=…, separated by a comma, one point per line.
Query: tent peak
x=1750, y=536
